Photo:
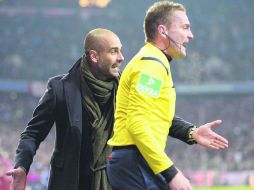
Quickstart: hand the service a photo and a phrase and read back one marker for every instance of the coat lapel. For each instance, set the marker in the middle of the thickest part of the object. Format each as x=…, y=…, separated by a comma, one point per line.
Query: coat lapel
x=73, y=96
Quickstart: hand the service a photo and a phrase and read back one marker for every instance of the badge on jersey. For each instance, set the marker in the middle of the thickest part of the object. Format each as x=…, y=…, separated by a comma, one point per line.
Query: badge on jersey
x=149, y=85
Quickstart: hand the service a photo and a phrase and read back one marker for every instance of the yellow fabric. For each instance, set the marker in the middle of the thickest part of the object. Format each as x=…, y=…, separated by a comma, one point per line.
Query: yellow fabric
x=140, y=118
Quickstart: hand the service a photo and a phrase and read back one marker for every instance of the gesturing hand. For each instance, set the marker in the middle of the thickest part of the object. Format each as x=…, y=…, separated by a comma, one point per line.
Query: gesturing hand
x=205, y=136
x=18, y=178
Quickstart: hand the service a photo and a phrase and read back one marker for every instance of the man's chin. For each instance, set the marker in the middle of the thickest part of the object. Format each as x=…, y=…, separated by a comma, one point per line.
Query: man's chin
x=115, y=74
x=115, y=71
x=179, y=56
x=183, y=52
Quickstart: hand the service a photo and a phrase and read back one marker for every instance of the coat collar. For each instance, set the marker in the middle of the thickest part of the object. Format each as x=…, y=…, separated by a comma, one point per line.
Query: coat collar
x=73, y=95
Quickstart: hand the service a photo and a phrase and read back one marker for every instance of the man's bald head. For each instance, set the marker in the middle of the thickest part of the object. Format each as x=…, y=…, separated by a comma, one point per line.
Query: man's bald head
x=94, y=39
x=103, y=53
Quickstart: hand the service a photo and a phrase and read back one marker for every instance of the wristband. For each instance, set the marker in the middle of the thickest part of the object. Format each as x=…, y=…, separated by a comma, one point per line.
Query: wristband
x=191, y=140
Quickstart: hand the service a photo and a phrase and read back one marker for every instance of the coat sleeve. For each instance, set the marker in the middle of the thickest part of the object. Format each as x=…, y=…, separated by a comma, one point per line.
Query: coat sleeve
x=37, y=129
x=180, y=129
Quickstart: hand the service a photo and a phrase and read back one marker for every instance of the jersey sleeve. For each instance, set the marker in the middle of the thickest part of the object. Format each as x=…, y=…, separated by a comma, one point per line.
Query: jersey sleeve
x=146, y=84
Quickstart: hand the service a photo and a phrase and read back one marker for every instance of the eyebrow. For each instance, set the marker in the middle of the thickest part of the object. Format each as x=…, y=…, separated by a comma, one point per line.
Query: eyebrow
x=116, y=48
x=187, y=25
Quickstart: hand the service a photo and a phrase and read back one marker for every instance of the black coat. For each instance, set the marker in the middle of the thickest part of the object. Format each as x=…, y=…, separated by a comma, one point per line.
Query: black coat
x=61, y=104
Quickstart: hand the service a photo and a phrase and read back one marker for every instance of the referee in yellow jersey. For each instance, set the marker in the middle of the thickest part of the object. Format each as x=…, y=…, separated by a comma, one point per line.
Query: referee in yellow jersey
x=145, y=108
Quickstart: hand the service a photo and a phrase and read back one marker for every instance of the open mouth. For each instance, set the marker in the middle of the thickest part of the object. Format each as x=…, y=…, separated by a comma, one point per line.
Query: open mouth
x=116, y=65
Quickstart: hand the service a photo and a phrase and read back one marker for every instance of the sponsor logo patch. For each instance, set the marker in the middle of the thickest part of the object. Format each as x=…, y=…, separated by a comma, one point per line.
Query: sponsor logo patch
x=149, y=85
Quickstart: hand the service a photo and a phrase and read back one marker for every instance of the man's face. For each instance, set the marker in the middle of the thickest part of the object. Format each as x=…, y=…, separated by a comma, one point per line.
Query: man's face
x=111, y=57
x=180, y=33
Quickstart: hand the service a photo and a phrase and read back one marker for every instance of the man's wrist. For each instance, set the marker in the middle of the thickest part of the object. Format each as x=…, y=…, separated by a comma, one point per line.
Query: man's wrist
x=169, y=173
x=21, y=167
x=191, y=139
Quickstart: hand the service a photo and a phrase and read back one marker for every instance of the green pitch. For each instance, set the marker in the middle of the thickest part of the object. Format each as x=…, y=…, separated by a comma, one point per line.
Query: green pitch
x=225, y=188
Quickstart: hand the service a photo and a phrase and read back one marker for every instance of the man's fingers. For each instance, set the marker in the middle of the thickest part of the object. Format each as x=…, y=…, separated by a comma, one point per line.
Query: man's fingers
x=213, y=146
x=222, y=140
x=215, y=123
x=219, y=143
x=9, y=173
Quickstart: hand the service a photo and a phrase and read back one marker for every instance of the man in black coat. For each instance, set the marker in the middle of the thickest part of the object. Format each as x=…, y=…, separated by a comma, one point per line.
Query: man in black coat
x=81, y=104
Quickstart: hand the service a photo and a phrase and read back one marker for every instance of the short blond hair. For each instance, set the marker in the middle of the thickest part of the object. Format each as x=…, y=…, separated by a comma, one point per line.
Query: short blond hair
x=157, y=14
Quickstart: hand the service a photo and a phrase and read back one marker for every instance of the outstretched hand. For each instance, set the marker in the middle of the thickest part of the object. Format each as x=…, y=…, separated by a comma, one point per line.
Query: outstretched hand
x=18, y=178
x=205, y=136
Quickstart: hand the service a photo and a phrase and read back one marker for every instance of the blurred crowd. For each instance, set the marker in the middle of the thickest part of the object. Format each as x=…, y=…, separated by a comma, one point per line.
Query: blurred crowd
x=51, y=38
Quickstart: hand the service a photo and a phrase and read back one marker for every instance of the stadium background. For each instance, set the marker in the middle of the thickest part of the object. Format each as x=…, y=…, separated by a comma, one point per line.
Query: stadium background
x=40, y=39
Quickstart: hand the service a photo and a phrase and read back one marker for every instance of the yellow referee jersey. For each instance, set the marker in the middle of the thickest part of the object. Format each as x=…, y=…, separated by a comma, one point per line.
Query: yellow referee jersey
x=145, y=107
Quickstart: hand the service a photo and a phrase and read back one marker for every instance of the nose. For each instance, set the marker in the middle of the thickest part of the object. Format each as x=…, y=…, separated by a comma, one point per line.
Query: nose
x=190, y=35
x=120, y=57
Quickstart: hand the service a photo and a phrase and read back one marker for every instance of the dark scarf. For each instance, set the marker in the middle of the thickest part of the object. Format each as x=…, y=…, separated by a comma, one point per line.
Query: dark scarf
x=98, y=98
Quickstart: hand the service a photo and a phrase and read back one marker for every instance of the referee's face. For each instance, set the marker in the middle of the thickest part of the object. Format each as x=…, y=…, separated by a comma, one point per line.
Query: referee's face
x=179, y=32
